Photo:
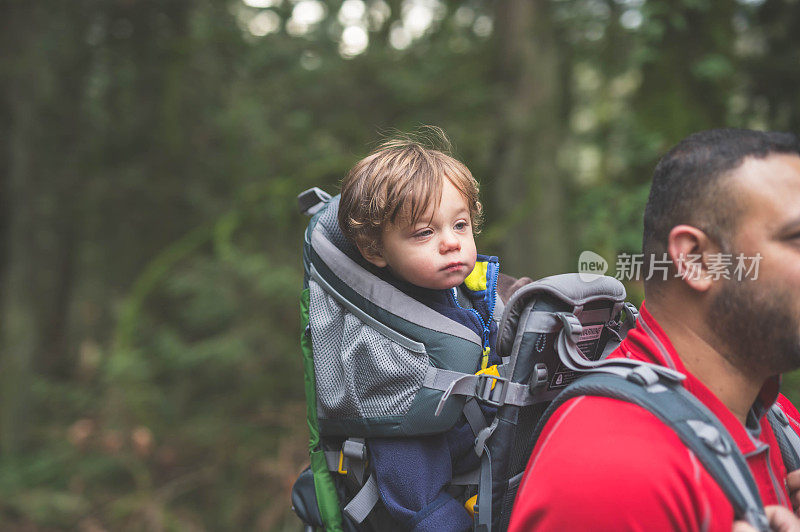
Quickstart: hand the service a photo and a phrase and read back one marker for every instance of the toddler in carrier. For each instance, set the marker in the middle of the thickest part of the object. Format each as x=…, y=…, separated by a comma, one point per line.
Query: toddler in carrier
x=412, y=212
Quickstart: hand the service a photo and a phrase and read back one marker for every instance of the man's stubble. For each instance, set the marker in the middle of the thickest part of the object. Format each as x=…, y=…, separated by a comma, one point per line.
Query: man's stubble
x=757, y=326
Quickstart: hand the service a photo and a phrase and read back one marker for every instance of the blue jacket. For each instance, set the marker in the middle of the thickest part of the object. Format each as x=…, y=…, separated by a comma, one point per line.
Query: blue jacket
x=412, y=473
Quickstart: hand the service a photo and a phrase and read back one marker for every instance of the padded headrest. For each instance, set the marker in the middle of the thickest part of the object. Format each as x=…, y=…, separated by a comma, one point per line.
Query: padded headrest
x=328, y=222
x=566, y=287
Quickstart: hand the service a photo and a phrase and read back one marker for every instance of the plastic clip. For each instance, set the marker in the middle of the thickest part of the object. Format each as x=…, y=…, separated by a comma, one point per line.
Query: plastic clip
x=486, y=392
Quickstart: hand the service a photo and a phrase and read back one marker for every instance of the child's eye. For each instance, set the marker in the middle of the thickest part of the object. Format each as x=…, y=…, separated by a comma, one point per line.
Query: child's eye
x=461, y=225
x=423, y=233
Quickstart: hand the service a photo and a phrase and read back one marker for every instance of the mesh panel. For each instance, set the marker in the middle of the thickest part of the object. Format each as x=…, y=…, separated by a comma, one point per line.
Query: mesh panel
x=326, y=319
x=360, y=373
x=508, y=501
x=329, y=220
x=523, y=442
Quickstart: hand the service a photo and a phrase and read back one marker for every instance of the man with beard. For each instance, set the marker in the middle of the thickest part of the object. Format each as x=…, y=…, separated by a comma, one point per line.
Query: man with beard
x=718, y=199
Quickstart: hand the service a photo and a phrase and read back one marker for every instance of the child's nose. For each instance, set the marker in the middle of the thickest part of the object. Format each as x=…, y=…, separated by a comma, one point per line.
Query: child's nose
x=450, y=242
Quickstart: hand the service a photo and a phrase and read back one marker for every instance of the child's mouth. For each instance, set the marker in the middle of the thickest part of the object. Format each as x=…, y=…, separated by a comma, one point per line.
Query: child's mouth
x=454, y=266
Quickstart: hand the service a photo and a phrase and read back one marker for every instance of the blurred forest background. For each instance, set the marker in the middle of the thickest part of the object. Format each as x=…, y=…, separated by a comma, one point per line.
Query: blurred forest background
x=149, y=241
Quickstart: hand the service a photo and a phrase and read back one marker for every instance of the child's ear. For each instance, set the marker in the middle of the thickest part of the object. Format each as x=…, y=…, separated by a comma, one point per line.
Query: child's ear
x=372, y=255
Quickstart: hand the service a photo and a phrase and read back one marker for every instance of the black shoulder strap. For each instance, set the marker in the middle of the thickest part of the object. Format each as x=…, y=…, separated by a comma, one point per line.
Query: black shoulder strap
x=788, y=440
x=694, y=424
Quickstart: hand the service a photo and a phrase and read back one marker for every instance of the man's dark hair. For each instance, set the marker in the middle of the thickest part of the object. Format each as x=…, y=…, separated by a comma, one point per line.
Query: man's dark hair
x=688, y=186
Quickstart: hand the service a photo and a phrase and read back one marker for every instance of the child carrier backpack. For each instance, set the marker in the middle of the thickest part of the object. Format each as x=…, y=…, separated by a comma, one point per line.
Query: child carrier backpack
x=378, y=363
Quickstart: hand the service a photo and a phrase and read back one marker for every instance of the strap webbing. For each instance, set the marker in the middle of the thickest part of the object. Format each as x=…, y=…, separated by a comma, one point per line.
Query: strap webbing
x=631, y=315
x=355, y=458
x=474, y=415
x=483, y=519
x=457, y=383
x=788, y=440
x=332, y=459
x=499, y=308
x=365, y=500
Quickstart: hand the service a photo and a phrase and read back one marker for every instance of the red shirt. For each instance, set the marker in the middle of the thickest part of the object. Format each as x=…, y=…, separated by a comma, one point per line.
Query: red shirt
x=604, y=464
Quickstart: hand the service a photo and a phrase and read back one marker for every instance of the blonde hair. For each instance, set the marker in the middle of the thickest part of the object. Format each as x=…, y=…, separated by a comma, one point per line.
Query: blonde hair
x=398, y=182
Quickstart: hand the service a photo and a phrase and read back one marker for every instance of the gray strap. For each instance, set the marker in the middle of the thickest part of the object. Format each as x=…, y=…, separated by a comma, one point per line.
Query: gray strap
x=354, y=449
x=542, y=321
x=611, y=345
x=463, y=385
x=355, y=454
x=457, y=383
x=474, y=415
x=788, y=440
x=519, y=395
x=365, y=500
x=714, y=439
x=631, y=316
x=480, y=439
x=499, y=308
x=332, y=459
x=441, y=379
x=483, y=519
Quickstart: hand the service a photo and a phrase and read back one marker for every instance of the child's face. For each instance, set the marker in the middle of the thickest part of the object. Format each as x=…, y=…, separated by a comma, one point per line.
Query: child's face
x=438, y=251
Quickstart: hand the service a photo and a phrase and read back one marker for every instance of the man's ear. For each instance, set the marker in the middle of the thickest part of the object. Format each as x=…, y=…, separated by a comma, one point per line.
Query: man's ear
x=688, y=248
x=372, y=255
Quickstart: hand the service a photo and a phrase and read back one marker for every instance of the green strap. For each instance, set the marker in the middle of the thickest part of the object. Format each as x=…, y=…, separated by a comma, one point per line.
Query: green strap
x=327, y=499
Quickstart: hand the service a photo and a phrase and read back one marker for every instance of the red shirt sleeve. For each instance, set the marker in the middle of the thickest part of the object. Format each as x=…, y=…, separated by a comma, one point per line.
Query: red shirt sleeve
x=602, y=464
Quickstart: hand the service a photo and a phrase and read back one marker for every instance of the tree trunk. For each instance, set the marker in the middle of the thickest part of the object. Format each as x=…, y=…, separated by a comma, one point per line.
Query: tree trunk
x=529, y=188
x=42, y=89
x=18, y=344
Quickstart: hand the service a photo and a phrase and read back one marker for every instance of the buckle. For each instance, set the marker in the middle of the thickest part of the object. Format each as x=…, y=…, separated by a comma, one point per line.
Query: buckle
x=354, y=449
x=487, y=390
x=351, y=450
x=709, y=435
x=571, y=325
x=539, y=377
x=643, y=376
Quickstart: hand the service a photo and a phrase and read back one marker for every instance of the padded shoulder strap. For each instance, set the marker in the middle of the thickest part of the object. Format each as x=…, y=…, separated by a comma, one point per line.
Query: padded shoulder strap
x=788, y=440
x=694, y=424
